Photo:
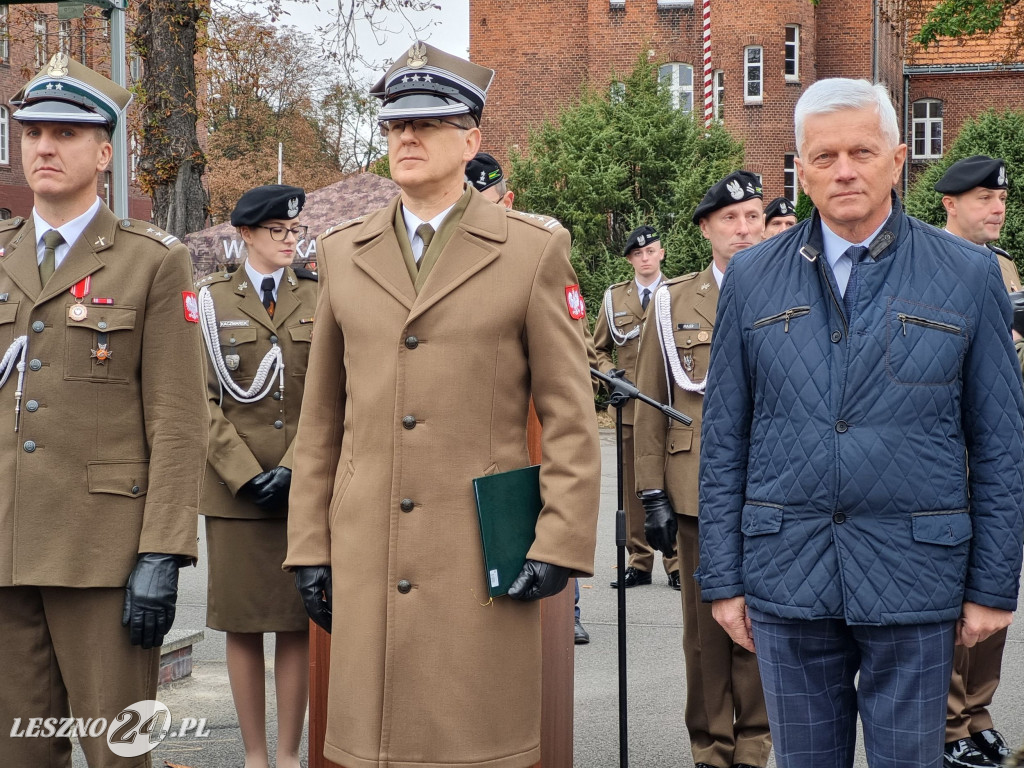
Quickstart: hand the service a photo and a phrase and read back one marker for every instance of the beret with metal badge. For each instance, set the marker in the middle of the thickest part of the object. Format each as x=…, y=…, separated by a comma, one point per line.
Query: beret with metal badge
x=780, y=206
x=483, y=171
x=971, y=172
x=273, y=201
x=640, y=237
x=734, y=188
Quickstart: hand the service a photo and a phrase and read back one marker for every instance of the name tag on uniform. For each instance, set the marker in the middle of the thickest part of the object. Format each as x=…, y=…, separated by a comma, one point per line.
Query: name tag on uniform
x=620, y=314
x=688, y=326
x=234, y=323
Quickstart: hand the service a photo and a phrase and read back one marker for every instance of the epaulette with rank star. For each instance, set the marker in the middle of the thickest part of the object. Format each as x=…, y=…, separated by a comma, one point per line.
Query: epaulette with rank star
x=343, y=225
x=544, y=222
x=14, y=223
x=147, y=229
x=682, y=278
x=215, y=277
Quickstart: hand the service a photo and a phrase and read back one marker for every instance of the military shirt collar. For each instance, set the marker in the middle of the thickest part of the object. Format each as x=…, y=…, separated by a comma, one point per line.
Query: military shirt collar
x=70, y=231
x=719, y=274
x=256, y=278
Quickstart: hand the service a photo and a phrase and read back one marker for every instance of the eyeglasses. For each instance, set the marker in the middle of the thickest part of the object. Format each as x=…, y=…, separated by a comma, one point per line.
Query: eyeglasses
x=422, y=127
x=281, y=233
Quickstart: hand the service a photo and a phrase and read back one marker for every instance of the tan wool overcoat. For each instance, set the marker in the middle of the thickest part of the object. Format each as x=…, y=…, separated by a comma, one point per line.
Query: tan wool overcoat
x=249, y=438
x=109, y=457
x=667, y=453
x=408, y=398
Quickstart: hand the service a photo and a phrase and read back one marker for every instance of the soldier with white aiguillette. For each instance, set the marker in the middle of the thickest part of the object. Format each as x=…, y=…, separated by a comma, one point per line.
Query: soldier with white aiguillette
x=104, y=432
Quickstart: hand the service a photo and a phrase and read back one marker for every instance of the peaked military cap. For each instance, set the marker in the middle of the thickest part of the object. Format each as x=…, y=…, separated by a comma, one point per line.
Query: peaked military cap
x=427, y=82
x=734, y=188
x=65, y=91
x=971, y=172
x=640, y=238
x=273, y=201
x=780, y=206
x=483, y=171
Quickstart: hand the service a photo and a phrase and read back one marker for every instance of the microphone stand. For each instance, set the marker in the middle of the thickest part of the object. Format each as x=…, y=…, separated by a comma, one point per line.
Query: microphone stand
x=621, y=392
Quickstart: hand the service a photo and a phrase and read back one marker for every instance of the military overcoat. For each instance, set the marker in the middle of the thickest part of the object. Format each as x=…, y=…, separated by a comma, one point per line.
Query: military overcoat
x=408, y=397
x=249, y=438
x=109, y=457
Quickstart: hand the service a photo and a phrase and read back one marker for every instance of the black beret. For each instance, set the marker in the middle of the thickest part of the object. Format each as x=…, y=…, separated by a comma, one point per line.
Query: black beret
x=734, y=188
x=971, y=172
x=274, y=201
x=640, y=237
x=483, y=171
x=780, y=206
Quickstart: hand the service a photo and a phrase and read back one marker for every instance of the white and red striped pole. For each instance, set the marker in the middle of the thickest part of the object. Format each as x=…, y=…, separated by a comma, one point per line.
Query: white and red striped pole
x=709, y=107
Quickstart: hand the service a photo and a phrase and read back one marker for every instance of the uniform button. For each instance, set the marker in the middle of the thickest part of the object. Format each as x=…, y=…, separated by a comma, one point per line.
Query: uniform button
x=135, y=489
x=837, y=336
x=404, y=587
x=409, y=422
x=841, y=426
x=102, y=325
x=411, y=342
x=273, y=339
x=232, y=340
x=407, y=505
x=278, y=424
x=34, y=364
x=839, y=518
x=276, y=395
x=30, y=446
x=32, y=406
x=38, y=326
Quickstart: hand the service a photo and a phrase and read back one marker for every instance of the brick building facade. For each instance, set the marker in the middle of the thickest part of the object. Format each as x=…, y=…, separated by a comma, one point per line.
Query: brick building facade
x=763, y=55
x=29, y=36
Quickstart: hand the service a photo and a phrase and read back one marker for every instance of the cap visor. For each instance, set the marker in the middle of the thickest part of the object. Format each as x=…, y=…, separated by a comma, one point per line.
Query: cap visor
x=417, y=105
x=52, y=111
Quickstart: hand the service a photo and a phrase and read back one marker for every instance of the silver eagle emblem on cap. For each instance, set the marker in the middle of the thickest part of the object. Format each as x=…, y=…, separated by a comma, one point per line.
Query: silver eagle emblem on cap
x=782, y=208
x=293, y=207
x=734, y=189
x=1001, y=179
x=58, y=65
x=417, y=55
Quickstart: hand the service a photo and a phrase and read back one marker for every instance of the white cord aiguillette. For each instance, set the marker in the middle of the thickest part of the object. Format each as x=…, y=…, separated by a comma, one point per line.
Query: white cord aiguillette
x=666, y=334
x=609, y=312
x=271, y=364
x=18, y=349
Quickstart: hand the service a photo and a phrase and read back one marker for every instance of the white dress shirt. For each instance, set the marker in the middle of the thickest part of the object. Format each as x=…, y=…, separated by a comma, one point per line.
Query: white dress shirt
x=70, y=232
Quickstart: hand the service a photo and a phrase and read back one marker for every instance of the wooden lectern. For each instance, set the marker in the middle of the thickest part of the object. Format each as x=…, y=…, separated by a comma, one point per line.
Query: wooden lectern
x=556, y=615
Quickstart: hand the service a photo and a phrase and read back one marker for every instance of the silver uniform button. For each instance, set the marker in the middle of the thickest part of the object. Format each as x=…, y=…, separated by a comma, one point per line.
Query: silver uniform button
x=35, y=364
x=32, y=406
x=30, y=446
x=38, y=326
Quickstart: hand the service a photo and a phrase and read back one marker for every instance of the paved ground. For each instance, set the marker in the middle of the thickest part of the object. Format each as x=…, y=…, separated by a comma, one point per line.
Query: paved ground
x=657, y=738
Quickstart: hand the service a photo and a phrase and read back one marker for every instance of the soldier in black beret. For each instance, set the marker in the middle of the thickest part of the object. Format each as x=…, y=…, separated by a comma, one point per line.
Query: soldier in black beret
x=737, y=187
x=974, y=195
x=484, y=173
x=779, y=215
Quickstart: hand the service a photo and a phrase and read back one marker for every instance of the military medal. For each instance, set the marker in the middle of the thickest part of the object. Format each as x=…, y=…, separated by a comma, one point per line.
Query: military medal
x=78, y=311
x=688, y=361
x=101, y=354
x=231, y=361
x=703, y=336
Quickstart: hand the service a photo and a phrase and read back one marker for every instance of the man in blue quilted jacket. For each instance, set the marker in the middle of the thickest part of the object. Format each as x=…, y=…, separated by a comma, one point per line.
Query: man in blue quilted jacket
x=862, y=451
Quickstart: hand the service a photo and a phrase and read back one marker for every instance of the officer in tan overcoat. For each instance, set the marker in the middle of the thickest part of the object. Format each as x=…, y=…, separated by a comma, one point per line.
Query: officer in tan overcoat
x=257, y=323
x=104, y=434
x=974, y=195
x=438, y=317
x=725, y=712
x=616, y=338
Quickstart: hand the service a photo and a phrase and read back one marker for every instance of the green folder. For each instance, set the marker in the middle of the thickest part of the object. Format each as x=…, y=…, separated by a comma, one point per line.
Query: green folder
x=508, y=504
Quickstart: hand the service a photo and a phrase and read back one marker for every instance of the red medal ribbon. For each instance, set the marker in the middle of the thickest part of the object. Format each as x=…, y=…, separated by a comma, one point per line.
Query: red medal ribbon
x=81, y=289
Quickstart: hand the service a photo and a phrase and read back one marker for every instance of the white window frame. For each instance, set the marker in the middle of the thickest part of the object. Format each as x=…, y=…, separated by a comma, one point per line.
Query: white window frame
x=64, y=36
x=675, y=3
x=753, y=73
x=718, y=95
x=928, y=125
x=790, y=181
x=5, y=136
x=83, y=42
x=792, y=50
x=42, y=43
x=617, y=3
x=133, y=155
x=616, y=92
x=5, y=34
x=134, y=66
x=670, y=75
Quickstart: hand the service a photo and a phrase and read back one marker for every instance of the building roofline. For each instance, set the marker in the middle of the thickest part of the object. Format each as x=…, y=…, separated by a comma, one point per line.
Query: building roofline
x=958, y=69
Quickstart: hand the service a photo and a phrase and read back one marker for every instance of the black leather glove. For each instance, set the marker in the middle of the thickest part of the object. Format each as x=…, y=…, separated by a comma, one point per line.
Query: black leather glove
x=315, y=588
x=149, y=598
x=538, y=580
x=1017, y=300
x=660, y=524
x=269, y=489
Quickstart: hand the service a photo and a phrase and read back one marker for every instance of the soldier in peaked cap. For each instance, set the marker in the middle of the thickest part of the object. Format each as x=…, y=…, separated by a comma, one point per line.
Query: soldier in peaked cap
x=974, y=195
x=439, y=316
x=616, y=336
x=105, y=460
x=779, y=215
x=262, y=314
x=725, y=712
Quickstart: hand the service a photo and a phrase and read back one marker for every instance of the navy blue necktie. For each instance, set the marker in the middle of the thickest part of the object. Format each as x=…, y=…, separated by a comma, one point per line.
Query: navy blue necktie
x=646, y=299
x=856, y=254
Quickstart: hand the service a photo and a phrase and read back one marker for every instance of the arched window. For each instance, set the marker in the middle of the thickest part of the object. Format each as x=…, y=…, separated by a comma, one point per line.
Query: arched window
x=679, y=80
x=927, y=129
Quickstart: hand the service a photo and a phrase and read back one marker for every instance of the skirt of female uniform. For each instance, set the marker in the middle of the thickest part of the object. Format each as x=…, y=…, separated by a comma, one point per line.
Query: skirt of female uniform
x=246, y=590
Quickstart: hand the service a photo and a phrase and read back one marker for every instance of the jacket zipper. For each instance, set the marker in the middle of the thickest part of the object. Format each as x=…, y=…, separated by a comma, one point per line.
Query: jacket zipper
x=926, y=323
x=788, y=315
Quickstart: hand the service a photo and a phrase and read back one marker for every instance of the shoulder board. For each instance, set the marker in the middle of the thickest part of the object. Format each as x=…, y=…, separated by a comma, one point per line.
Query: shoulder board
x=304, y=274
x=998, y=251
x=216, y=277
x=619, y=285
x=343, y=225
x=14, y=223
x=544, y=222
x=147, y=229
x=681, y=278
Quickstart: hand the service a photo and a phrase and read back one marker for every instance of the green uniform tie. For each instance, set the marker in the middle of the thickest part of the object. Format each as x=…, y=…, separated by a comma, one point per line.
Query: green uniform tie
x=51, y=239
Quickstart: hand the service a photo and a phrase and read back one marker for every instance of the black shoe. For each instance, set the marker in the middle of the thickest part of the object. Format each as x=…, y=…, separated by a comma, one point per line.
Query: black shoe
x=673, y=581
x=580, y=635
x=963, y=754
x=634, y=578
x=991, y=743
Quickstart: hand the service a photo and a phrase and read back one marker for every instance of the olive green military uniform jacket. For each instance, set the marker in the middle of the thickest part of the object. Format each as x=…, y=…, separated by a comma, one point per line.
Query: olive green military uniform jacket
x=409, y=396
x=249, y=438
x=676, y=340
x=627, y=320
x=109, y=457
